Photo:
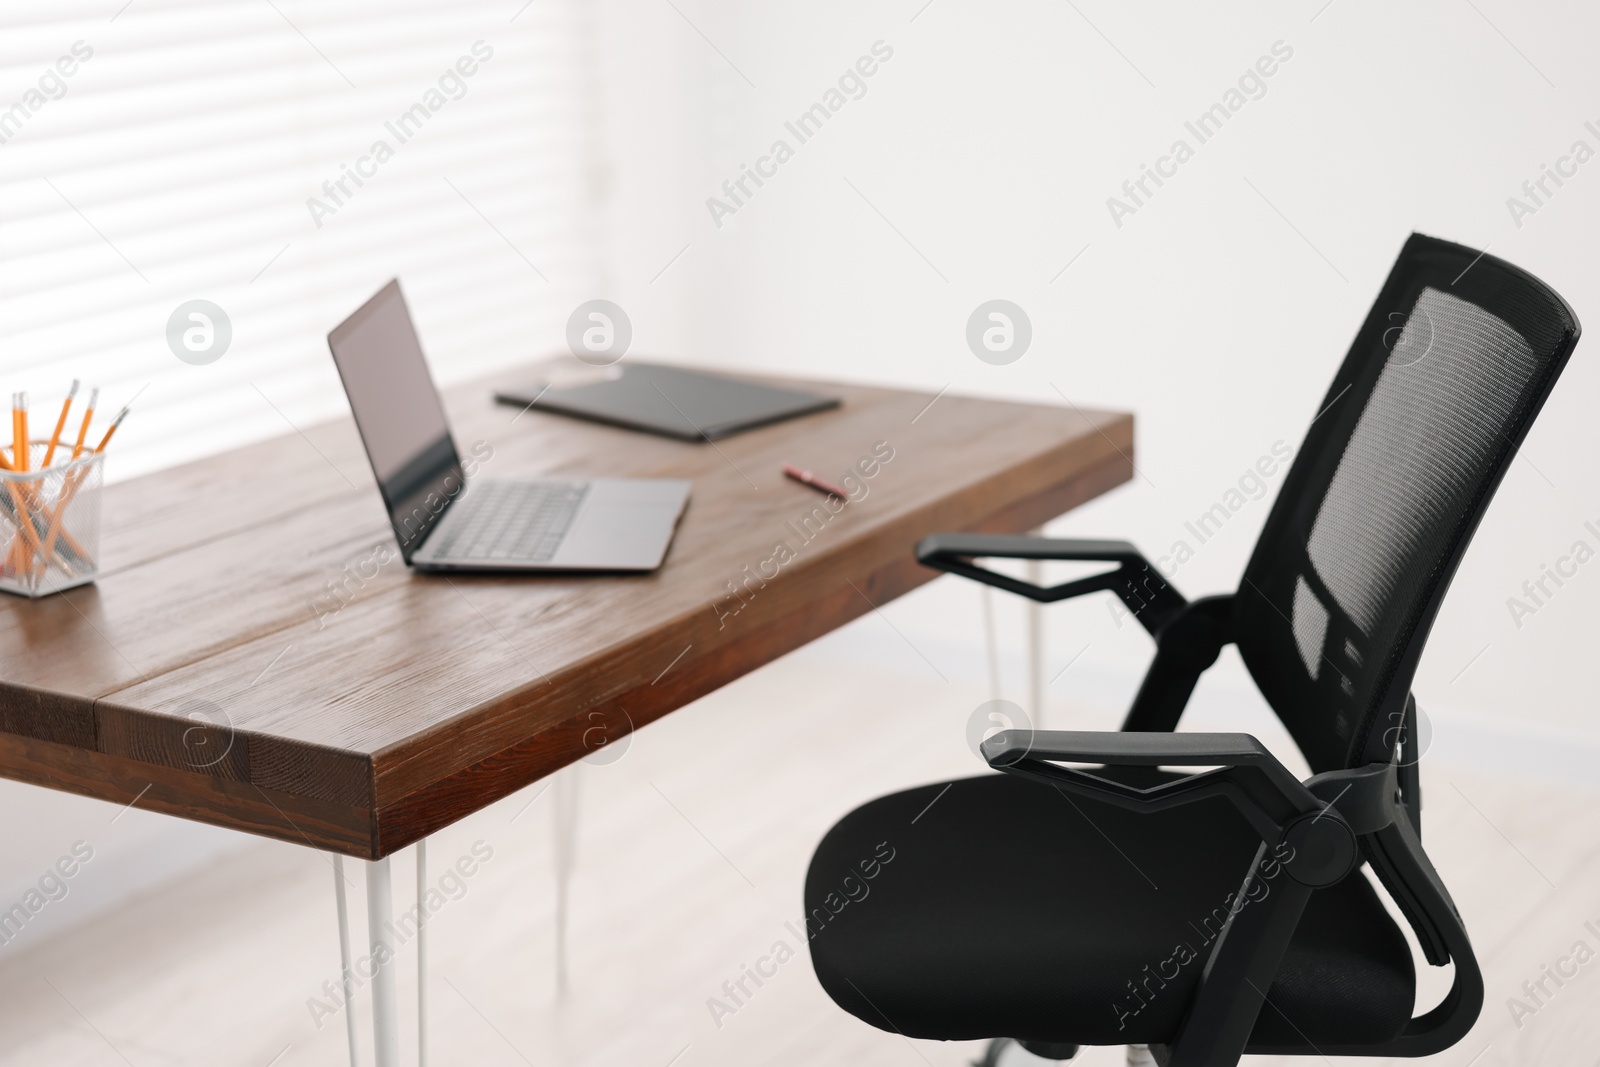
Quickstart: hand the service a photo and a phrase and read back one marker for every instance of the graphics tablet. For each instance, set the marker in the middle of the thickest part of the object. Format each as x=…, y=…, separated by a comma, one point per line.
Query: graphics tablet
x=689, y=405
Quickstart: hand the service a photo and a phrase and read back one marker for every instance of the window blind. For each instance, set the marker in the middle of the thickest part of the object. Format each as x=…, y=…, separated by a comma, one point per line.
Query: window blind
x=282, y=160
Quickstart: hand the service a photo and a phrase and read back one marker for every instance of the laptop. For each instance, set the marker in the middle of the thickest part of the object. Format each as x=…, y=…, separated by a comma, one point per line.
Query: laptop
x=446, y=523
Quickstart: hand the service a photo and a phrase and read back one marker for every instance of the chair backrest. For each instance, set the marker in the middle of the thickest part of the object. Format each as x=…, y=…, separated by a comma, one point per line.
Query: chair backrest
x=1454, y=361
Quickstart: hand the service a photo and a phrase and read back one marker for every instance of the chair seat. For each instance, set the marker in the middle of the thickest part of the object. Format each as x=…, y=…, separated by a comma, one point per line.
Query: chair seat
x=1061, y=919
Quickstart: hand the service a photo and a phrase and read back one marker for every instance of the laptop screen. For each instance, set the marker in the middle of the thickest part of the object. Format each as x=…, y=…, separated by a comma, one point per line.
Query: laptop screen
x=398, y=414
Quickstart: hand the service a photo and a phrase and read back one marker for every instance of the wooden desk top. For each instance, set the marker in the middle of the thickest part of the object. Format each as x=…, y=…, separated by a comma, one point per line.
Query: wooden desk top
x=255, y=654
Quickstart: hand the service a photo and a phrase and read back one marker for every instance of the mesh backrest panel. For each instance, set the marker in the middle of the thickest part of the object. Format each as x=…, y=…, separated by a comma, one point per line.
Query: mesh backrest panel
x=1433, y=424
x=1452, y=364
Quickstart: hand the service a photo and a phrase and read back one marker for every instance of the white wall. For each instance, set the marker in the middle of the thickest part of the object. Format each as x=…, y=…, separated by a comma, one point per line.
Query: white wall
x=1218, y=312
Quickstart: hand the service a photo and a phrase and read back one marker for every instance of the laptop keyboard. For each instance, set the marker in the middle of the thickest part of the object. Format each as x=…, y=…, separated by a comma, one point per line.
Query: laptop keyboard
x=511, y=522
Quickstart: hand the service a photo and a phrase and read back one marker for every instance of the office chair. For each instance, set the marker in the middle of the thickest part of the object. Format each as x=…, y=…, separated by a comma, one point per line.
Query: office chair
x=1222, y=911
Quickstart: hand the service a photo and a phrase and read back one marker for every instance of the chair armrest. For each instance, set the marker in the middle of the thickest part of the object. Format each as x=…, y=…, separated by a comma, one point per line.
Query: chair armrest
x=1277, y=805
x=1134, y=749
x=1140, y=586
x=1305, y=837
x=1022, y=546
x=1319, y=820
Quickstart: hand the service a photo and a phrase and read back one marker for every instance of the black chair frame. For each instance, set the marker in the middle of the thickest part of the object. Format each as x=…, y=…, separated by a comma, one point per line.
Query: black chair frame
x=1372, y=810
x=1370, y=527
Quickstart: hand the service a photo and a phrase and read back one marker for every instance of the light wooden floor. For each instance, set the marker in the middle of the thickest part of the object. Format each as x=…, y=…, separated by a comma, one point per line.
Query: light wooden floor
x=691, y=855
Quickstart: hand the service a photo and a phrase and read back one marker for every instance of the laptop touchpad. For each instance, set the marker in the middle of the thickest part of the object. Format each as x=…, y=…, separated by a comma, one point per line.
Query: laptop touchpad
x=623, y=524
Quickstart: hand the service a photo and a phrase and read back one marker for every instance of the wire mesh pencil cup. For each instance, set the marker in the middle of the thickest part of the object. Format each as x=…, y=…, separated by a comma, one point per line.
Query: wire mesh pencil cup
x=50, y=524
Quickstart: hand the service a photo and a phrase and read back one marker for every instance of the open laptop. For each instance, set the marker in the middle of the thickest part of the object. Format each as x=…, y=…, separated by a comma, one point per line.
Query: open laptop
x=444, y=523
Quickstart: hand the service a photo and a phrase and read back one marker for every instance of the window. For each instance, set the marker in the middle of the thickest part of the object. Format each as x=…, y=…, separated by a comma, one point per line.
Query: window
x=282, y=159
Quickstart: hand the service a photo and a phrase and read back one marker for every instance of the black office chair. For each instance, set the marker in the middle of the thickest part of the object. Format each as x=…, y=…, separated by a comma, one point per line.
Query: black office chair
x=1221, y=912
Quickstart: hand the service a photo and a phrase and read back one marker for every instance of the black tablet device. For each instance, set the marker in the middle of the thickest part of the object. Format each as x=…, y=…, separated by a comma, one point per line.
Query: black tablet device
x=689, y=405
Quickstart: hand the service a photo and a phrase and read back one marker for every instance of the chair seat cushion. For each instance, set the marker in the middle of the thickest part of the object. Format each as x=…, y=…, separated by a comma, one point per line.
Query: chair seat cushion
x=1001, y=907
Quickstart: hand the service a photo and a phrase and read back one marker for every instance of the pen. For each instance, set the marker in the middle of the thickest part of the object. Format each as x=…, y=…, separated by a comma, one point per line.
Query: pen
x=805, y=477
x=55, y=438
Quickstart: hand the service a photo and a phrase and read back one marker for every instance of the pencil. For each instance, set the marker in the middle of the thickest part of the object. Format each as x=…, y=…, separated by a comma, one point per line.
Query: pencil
x=54, y=530
x=83, y=427
x=26, y=537
x=13, y=545
x=61, y=422
x=101, y=447
x=68, y=489
x=21, y=460
x=21, y=449
x=18, y=550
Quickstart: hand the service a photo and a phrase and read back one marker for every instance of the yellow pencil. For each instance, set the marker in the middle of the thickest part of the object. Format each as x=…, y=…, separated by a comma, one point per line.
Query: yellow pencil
x=83, y=427
x=74, y=480
x=12, y=546
x=19, y=553
x=101, y=447
x=16, y=554
x=23, y=457
x=61, y=422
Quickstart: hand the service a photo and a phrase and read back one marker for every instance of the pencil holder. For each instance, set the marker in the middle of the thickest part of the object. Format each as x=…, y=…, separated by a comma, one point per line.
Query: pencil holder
x=50, y=524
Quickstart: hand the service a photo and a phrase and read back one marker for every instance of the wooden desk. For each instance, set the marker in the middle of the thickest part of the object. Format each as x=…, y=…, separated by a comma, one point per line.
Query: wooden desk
x=255, y=655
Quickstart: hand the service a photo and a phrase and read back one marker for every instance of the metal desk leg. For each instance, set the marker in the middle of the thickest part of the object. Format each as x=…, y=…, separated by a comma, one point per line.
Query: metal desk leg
x=991, y=644
x=422, y=953
x=385, y=1005
x=1035, y=627
x=1036, y=648
x=566, y=817
x=344, y=960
